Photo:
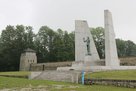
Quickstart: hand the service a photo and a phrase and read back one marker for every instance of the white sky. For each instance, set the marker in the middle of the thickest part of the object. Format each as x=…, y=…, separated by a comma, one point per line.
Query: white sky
x=62, y=13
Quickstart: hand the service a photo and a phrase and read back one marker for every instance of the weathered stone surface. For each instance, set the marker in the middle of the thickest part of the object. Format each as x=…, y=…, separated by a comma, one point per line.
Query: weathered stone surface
x=111, y=61
x=34, y=74
x=67, y=76
x=82, y=31
x=110, y=43
x=119, y=83
x=87, y=58
x=97, y=68
x=27, y=58
x=49, y=66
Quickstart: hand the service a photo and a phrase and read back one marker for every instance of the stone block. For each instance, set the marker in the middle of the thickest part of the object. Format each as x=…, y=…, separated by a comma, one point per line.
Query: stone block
x=82, y=31
x=111, y=56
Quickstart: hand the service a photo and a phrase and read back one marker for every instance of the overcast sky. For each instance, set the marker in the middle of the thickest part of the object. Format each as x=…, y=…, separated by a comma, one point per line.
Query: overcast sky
x=62, y=13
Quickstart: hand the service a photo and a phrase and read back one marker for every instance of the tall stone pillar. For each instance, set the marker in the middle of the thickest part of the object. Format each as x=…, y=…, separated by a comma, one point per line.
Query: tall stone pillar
x=82, y=32
x=111, y=57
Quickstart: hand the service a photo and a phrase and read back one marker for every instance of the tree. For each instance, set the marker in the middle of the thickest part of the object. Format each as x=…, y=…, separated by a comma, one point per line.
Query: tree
x=59, y=45
x=130, y=48
x=126, y=48
x=68, y=46
x=54, y=46
x=46, y=37
x=8, y=38
x=13, y=43
x=72, y=45
x=64, y=45
x=29, y=37
x=98, y=36
x=121, y=47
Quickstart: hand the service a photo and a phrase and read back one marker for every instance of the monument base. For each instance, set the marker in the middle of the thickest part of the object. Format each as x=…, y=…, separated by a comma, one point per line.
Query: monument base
x=88, y=61
x=54, y=75
x=115, y=62
x=88, y=58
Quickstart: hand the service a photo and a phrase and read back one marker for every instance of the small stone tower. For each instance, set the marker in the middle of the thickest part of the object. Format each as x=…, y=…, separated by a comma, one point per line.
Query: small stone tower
x=27, y=58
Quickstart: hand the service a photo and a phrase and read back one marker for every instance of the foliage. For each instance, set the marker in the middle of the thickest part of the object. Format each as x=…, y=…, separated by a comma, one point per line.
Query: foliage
x=13, y=41
x=50, y=45
x=98, y=36
x=54, y=45
x=126, y=48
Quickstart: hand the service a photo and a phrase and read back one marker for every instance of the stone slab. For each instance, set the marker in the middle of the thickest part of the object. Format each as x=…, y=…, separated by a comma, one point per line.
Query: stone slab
x=82, y=31
x=111, y=56
x=66, y=76
x=34, y=74
x=97, y=68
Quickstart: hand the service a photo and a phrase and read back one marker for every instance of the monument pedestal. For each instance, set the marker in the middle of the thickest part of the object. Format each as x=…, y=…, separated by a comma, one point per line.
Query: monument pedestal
x=78, y=64
x=86, y=62
x=88, y=58
x=89, y=61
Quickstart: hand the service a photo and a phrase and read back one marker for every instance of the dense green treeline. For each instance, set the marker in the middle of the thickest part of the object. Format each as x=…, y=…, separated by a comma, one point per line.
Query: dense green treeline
x=50, y=45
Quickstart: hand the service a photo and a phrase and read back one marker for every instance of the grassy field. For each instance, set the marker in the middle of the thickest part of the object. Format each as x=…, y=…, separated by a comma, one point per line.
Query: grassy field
x=21, y=73
x=122, y=75
x=126, y=74
x=16, y=84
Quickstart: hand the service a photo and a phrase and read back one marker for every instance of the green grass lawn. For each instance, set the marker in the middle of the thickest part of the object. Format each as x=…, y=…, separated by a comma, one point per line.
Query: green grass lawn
x=16, y=73
x=37, y=85
x=122, y=75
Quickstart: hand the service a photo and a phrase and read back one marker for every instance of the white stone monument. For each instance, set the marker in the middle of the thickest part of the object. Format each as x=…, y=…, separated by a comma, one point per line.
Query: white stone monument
x=111, y=57
x=84, y=51
x=82, y=61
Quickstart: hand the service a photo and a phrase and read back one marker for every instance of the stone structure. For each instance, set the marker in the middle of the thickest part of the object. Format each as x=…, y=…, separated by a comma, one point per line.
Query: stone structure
x=28, y=62
x=92, y=62
x=86, y=56
x=67, y=76
x=82, y=32
x=27, y=58
x=110, y=43
x=49, y=66
x=118, y=83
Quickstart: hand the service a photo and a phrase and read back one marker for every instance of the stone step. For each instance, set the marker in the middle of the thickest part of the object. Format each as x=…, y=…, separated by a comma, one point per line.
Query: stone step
x=67, y=76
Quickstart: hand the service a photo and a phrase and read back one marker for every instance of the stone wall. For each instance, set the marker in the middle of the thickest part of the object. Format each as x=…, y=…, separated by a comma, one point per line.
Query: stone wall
x=128, y=61
x=49, y=66
x=82, y=31
x=66, y=76
x=119, y=83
